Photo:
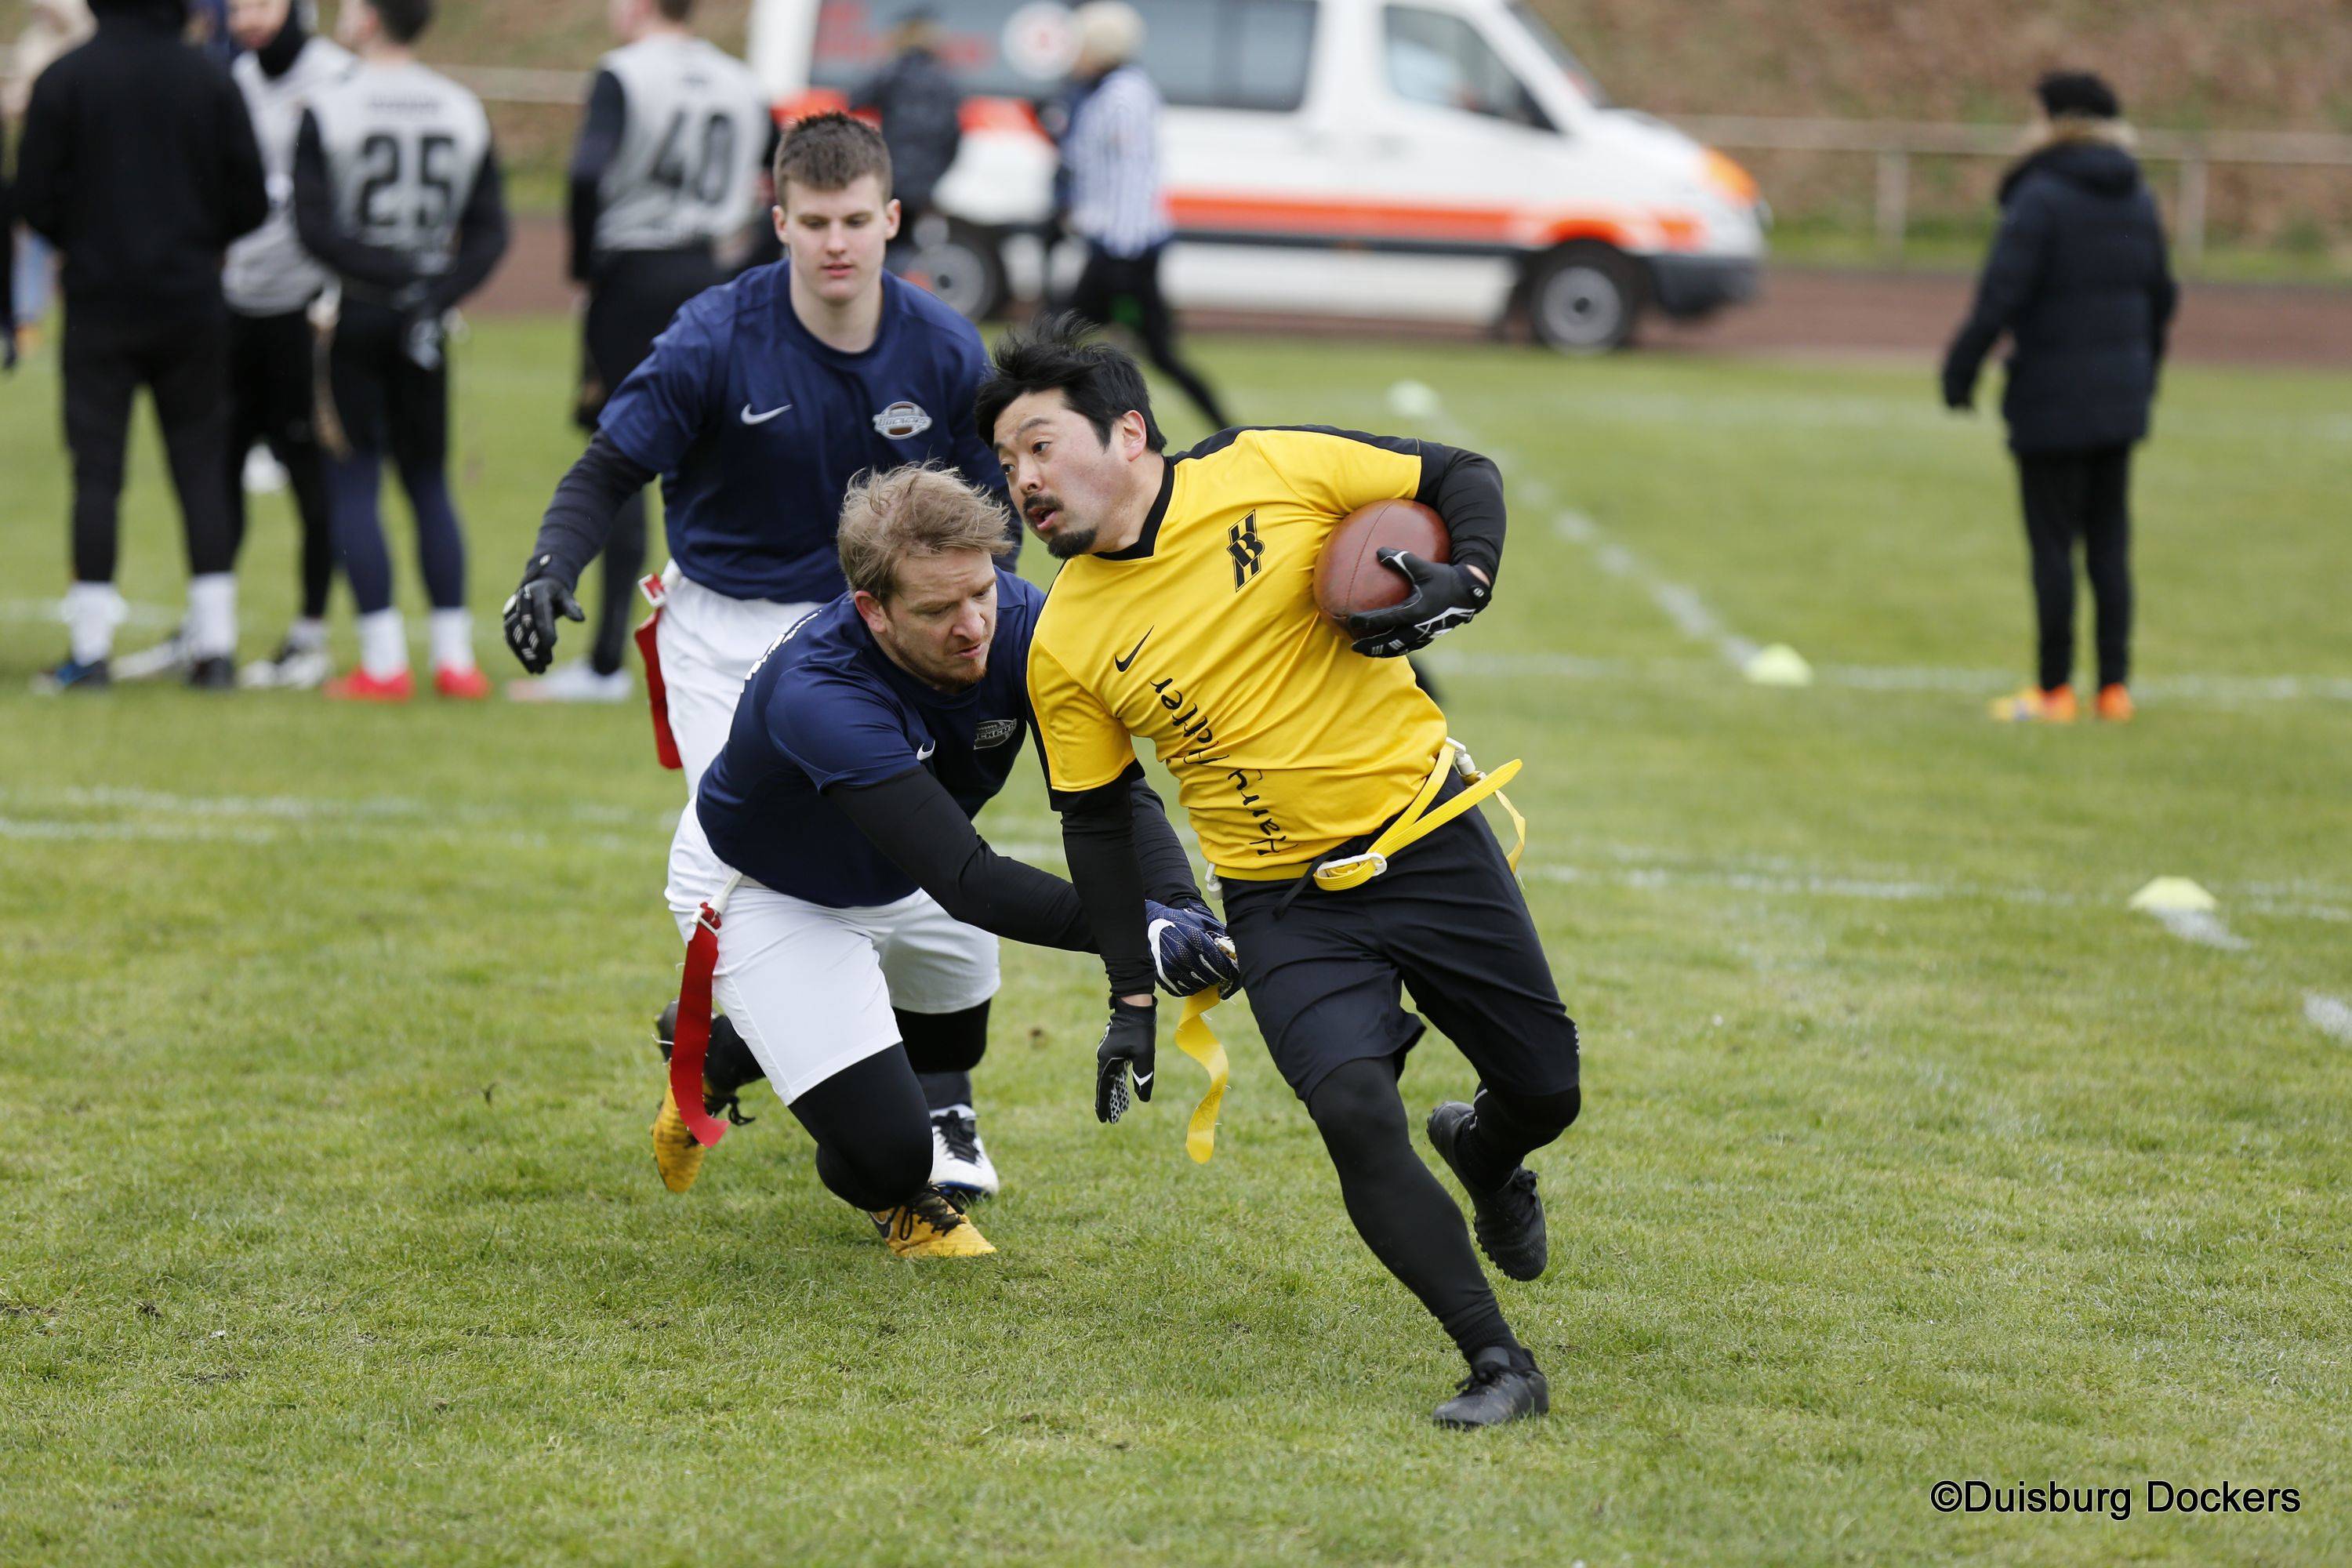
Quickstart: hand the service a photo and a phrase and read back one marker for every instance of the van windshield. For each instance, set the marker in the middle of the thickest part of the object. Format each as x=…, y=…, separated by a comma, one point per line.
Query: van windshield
x=1528, y=16
x=1203, y=53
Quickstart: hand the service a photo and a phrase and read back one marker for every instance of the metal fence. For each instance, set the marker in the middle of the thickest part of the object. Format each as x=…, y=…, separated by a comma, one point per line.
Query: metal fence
x=1894, y=143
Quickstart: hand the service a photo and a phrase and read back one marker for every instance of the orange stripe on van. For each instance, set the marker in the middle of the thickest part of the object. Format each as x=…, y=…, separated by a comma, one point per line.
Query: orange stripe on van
x=1517, y=228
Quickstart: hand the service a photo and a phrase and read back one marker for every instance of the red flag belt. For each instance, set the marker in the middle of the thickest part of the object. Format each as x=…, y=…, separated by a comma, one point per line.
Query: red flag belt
x=658, y=694
x=690, y=1043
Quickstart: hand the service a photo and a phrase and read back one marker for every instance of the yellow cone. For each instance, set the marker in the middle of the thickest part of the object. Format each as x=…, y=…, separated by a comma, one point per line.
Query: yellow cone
x=2174, y=893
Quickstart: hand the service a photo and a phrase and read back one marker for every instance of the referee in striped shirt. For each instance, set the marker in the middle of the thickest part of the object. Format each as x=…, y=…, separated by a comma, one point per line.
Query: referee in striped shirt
x=1110, y=173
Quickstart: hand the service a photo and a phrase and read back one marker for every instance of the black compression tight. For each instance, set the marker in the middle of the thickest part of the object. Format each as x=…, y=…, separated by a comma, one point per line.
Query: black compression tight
x=1404, y=1215
x=873, y=1132
x=624, y=560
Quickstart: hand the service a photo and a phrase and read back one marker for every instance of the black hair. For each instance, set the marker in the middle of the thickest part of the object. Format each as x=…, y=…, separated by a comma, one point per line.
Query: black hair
x=1054, y=352
x=404, y=21
x=2077, y=92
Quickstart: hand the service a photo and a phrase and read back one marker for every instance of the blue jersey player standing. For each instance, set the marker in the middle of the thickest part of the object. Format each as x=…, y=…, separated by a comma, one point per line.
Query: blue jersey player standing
x=756, y=408
x=830, y=884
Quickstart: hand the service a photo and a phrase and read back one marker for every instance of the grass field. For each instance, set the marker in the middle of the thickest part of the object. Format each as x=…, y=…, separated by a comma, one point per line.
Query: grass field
x=328, y=1231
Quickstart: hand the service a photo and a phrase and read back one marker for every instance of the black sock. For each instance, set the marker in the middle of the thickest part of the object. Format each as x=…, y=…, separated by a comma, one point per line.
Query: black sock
x=1507, y=1129
x=1404, y=1215
x=942, y=1090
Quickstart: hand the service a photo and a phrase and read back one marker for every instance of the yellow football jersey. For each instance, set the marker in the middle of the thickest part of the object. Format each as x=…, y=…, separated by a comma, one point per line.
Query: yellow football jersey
x=1204, y=638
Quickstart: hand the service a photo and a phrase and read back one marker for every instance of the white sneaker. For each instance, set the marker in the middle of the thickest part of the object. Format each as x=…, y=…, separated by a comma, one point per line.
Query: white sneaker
x=264, y=474
x=168, y=659
x=960, y=1162
x=574, y=682
x=292, y=667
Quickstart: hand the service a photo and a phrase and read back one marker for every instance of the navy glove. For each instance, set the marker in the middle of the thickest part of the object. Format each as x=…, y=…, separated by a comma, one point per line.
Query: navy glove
x=1443, y=597
x=1129, y=1041
x=1189, y=951
x=530, y=617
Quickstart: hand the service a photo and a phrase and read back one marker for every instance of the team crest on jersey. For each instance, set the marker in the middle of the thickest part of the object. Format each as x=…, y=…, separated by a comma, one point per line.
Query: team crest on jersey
x=995, y=732
x=902, y=419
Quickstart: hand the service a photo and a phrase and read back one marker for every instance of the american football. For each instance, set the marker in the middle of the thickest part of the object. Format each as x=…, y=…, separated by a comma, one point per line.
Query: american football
x=1349, y=578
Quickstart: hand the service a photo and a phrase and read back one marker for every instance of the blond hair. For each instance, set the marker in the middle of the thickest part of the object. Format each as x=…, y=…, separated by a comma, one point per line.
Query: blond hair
x=889, y=517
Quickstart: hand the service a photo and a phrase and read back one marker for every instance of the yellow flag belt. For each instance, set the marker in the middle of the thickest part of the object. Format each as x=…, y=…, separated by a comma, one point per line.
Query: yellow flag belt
x=1197, y=1040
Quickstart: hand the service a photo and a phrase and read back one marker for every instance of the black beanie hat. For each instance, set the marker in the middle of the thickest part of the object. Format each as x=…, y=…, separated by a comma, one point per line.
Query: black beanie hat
x=2077, y=92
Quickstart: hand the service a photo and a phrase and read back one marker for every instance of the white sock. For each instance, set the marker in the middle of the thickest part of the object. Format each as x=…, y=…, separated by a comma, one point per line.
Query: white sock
x=453, y=639
x=384, y=644
x=211, y=615
x=92, y=611
x=307, y=635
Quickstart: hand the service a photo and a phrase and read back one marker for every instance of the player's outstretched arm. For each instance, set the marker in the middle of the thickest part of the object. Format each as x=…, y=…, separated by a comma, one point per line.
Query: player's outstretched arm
x=1098, y=837
x=577, y=522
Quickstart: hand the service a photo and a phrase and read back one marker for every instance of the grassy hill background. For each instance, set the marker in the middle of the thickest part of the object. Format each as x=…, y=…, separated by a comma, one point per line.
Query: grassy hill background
x=2262, y=65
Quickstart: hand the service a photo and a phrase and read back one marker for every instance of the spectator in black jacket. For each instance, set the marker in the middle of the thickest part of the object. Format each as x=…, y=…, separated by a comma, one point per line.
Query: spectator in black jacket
x=139, y=164
x=2079, y=280
x=921, y=107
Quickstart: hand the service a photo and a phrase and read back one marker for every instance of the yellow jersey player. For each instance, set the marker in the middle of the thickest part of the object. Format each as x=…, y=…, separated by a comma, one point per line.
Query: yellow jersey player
x=1185, y=614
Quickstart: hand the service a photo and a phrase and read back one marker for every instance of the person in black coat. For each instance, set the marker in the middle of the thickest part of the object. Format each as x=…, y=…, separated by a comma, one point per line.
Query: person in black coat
x=919, y=105
x=139, y=164
x=2079, y=280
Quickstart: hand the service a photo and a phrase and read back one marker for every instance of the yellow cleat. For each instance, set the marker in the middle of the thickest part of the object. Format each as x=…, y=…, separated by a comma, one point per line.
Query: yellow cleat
x=930, y=1226
x=676, y=1155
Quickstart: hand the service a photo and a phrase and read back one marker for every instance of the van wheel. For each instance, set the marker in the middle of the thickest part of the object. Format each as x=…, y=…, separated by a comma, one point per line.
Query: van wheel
x=961, y=265
x=1585, y=298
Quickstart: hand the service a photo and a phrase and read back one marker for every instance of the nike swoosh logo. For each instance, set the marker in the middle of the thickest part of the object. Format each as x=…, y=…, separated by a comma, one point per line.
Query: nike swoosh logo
x=752, y=418
x=1120, y=664
x=924, y=753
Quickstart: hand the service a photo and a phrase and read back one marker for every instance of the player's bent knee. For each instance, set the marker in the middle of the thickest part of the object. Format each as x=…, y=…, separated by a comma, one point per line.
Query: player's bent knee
x=944, y=1042
x=1358, y=1110
x=881, y=1170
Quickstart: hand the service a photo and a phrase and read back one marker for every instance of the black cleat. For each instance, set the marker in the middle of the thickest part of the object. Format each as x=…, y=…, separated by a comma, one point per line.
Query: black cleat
x=216, y=673
x=1509, y=1220
x=1495, y=1391
x=714, y=1102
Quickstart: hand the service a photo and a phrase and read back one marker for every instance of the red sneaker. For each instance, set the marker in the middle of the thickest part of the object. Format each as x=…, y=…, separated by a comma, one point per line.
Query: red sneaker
x=358, y=686
x=2034, y=706
x=2115, y=703
x=468, y=685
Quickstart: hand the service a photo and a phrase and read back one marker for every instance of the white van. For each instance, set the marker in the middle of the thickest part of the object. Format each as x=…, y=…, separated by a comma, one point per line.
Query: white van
x=1441, y=160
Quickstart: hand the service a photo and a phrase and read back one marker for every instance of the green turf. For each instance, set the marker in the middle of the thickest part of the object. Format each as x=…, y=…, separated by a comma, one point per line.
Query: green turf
x=328, y=1231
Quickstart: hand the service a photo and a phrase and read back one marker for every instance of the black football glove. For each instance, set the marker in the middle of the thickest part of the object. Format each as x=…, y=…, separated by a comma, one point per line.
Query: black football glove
x=1129, y=1040
x=1189, y=951
x=1443, y=597
x=530, y=617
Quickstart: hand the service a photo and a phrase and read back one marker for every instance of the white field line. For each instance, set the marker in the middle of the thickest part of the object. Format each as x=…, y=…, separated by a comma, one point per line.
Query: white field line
x=53, y=611
x=2331, y=1016
x=2202, y=927
x=2205, y=690
x=149, y=816
x=1679, y=602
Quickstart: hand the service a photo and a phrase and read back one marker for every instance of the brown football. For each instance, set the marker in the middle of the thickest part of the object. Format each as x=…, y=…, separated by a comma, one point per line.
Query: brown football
x=1349, y=577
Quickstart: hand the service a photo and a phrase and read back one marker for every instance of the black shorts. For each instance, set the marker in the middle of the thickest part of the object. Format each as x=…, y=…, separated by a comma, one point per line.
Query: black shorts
x=1325, y=970
x=383, y=398
x=634, y=294
x=271, y=390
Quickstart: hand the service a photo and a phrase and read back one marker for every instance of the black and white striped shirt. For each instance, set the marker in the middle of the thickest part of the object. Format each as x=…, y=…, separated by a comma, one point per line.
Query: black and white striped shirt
x=1113, y=153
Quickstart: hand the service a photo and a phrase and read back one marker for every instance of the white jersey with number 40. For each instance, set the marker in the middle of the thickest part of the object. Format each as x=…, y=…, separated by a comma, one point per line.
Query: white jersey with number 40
x=404, y=147
x=694, y=128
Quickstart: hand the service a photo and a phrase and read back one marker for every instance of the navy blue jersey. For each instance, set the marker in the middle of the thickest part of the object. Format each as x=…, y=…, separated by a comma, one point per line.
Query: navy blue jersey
x=757, y=428
x=825, y=706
